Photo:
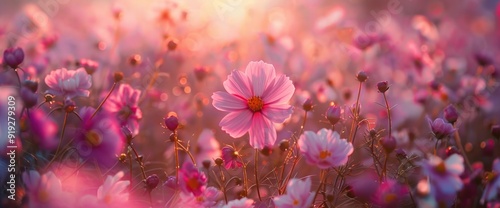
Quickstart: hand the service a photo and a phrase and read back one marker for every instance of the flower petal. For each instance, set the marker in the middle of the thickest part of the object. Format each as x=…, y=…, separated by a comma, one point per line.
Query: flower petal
x=279, y=92
x=262, y=133
x=278, y=113
x=223, y=101
x=236, y=123
x=261, y=76
x=238, y=84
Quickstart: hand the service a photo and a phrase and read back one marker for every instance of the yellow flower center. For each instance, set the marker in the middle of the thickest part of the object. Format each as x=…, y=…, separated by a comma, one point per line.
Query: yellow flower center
x=324, y=154
x=441, y=168
x=125, y=112
x=43, y=196
x=93, y=138
x=295, y=202
x=490, y=176
x=255, y=103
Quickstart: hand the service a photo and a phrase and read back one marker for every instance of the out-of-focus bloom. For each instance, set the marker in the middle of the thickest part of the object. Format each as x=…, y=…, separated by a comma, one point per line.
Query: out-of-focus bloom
x=207, y=199
x=29, y=98
x=445, y=175
x=191, y=180
x=440, y=128
x=390, y=194
x=99, y=138
x=45, y=190
x=112, y=193
x=493, y=184
x=208, y=147
x=124, y=102
x=255, y=100
x=240, y=203
x=495, y=131
x=230, y=157
x=43, y=129
x=13, y=57
x=69, y=83
x=450, y=114
x=152, y=181
x=297, y=195
x=89, y=65
x=388, y=143
x=325, y=149
x=333, y=114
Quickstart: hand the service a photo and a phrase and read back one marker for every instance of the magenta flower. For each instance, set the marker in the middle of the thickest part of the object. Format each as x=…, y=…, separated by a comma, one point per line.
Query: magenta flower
x=298, y=194
x=325, y=149
x=492, y=190
x=99, y=138
x=69, y=83
x=440, y=128
x=207, y=199
x=43, y=129
x=124, y=102
x=230, y=158
x=444, y=175
x=191, y=180
x=255, y=100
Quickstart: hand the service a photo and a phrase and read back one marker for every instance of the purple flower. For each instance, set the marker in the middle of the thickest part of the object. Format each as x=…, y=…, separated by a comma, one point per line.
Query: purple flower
x=450, y=114
x=440, y=128
x=230, y=157
x=124, y=103
x=390, y=194
x=445, y=175
x=43, y=129
x=333, y=114
x=298, y=194
x=69, y=83
x=13, y=57
x=99, y=138
x=207, y=199
x=191, y=180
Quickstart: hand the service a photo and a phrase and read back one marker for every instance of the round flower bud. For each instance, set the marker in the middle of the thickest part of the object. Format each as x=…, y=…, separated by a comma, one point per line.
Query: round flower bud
x=333, y=114
x=401, y=154
x=373, y=133
x=308, y=105
x=284, y=145
x=388, y=143
x=362, y=76
x=152, y=182
x=118, y=76
x=200, y=73
x=450, y=114
x=171, y=45
x=266, y=151
x=171, y=182
x=383, y=86
x=219, y=161
x=172, y=123
x=13, y=57
x=206, y=164
x=29, y=98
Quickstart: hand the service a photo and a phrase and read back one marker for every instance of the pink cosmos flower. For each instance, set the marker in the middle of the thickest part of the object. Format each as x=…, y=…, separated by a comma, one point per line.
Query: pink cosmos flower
x=493, y=187
x=99, y=138
x=208, y=198
x=240, y=203
x=298, y=195
x=43, y=129
x=191, y=180
x=255, y=100
x=69, y=83
x=45, y=190
x=112, y=193
x=444, y=175
x=230, y=158
x=325, y=149
x=124, y=102
x=440, y=128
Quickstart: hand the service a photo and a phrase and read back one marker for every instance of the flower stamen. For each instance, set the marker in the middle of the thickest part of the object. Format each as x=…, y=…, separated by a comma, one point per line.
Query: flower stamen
x=255, y=103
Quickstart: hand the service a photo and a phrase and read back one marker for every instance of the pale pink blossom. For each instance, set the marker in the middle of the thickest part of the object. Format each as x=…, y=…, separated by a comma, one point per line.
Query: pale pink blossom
x=208, y=198
x=240, y=203
x=124, y=102
x=45, y=190
x=112, y=193
x=298, y=195
x=255, y=101
x=69, y=83
x=444, y=175
x=325, y=149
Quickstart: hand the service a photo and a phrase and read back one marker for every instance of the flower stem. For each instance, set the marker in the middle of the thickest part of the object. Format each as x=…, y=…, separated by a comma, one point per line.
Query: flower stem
x=141, y=164
x=103, y=101
x=176, y=155
x=256, y=173
x=223, y=185
x=65, y=121
x=322, y=176
x=384, y=169
x=130, y=169
x=355, y=115
x=461, y=147
x=388, y=114
x=185, y=149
